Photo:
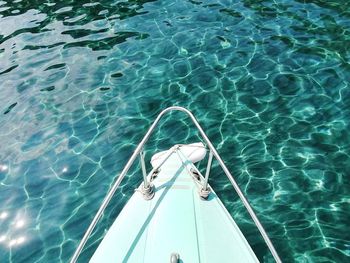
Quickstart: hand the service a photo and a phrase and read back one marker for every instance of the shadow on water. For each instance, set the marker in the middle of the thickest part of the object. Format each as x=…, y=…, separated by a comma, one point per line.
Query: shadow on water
x=81, y=81
x=71, y=14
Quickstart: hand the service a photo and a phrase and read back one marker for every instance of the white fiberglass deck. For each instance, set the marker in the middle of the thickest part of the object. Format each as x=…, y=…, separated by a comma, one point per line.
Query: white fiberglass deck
x=176, y=220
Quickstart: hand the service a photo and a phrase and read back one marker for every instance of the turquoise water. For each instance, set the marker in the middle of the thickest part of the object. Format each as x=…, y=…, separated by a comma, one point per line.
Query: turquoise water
x=81, y=81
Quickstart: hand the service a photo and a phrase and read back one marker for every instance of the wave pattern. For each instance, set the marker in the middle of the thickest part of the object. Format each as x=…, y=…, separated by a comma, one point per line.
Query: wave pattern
x=81, y=81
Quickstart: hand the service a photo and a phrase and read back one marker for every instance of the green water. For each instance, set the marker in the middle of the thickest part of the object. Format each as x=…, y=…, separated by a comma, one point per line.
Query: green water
x=81, y=81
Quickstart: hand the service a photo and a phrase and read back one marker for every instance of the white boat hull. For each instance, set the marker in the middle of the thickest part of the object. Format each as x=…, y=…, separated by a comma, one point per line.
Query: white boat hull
x=176, y=220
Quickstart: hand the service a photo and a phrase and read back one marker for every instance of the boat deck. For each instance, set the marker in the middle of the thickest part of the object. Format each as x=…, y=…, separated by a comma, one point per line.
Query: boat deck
x=176, y=220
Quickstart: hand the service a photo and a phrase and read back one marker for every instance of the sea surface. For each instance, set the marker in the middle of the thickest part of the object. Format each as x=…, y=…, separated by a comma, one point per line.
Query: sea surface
x=82, y=80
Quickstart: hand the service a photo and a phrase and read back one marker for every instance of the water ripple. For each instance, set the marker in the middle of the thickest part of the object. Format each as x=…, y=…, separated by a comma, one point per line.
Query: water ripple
x=81, y=81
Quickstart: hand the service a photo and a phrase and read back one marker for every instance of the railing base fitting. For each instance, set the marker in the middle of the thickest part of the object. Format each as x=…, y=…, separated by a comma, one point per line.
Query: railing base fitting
x=204, y=194
x=147, y=192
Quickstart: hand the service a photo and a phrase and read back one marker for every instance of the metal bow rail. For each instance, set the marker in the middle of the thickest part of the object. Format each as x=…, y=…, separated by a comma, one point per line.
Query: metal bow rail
x=147, y=187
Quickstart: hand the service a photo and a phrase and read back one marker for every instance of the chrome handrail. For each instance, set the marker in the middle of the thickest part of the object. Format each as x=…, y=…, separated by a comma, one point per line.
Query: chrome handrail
x=131, y=161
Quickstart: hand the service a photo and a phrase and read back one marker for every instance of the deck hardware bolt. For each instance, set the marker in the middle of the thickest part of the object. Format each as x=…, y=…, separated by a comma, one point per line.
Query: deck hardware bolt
x=174, y=258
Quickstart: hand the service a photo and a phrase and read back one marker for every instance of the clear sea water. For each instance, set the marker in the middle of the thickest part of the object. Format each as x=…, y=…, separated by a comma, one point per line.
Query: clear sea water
x=81, y=81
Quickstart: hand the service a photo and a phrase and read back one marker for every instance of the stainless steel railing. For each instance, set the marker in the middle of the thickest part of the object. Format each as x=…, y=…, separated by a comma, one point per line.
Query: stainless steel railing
x=131, y=161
